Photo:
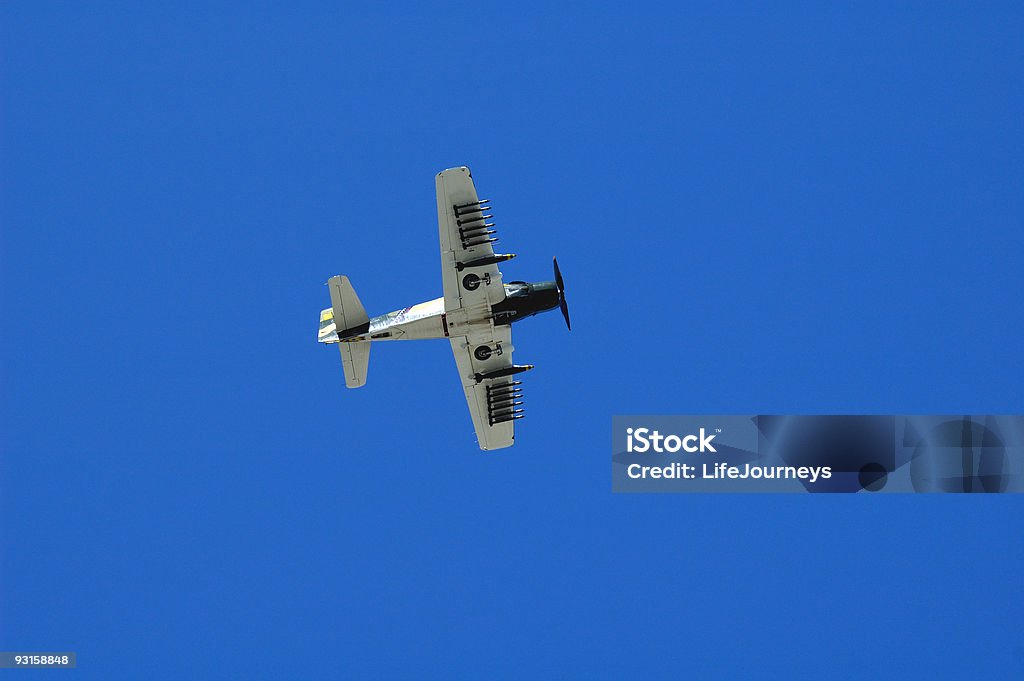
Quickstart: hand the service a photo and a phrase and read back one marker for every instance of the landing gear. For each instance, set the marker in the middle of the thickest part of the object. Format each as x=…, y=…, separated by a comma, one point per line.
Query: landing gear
x=484, y=351
x=471, y=282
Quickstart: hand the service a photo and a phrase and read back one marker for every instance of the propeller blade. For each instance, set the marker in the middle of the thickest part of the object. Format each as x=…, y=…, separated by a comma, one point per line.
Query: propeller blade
x=560, y=285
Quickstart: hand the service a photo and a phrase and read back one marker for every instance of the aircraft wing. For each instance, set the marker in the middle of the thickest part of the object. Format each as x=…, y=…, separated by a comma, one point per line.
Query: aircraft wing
x=494, y=404
x=467, y=234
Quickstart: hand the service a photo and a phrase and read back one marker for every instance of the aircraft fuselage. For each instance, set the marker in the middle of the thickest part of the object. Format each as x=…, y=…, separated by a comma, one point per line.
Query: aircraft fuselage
x=429, y=320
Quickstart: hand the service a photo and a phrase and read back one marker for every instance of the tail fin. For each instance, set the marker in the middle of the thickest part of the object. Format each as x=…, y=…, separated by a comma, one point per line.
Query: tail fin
x=350, y=320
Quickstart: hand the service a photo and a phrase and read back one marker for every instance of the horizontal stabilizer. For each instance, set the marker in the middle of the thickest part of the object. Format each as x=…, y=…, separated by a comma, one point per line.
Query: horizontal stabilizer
x=355, y=359
x=350, y=320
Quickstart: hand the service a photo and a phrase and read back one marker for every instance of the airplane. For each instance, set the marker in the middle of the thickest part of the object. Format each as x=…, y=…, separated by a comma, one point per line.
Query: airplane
x=476, y=313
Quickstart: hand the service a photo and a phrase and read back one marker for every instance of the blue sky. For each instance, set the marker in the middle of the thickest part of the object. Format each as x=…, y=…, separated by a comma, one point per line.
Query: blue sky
x=781, y=208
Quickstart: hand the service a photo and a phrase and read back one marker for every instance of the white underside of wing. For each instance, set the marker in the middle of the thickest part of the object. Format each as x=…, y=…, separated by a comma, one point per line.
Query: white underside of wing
x=463, y=238
x=466, y=236
x=489, y=435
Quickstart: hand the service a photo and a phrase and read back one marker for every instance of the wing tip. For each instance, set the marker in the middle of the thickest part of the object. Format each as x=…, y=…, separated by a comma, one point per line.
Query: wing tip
x=464, y=169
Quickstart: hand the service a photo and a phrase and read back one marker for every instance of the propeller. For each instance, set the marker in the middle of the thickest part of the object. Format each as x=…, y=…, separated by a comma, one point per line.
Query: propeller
x=560, y=285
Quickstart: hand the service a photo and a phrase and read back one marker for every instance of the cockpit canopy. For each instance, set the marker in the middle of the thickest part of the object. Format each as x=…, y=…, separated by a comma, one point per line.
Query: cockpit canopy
x=515, y=289
x=523, y=300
